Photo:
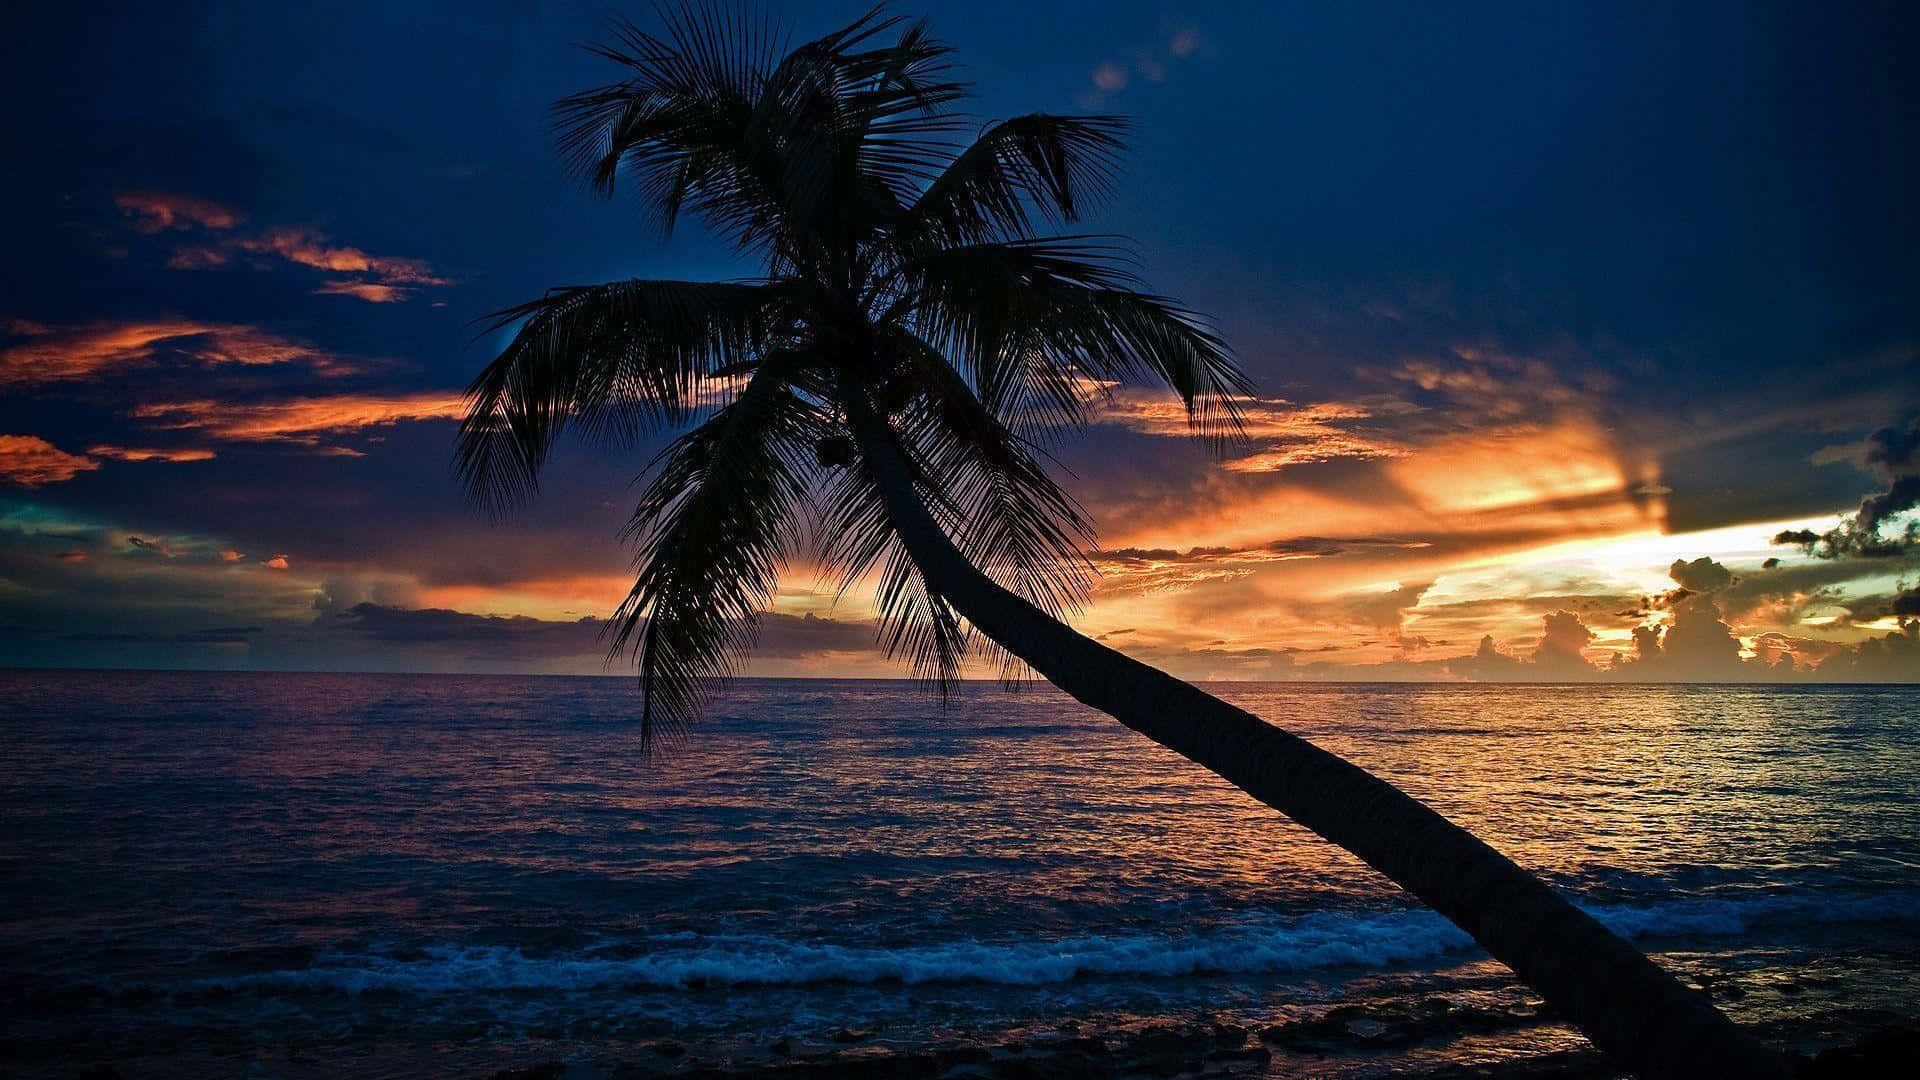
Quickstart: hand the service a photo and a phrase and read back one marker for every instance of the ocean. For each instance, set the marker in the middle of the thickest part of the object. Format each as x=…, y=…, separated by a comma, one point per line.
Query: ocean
x=290, y=874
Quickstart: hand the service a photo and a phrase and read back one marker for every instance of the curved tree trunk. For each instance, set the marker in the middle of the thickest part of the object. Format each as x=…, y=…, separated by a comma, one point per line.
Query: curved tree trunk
x=1635, y=1012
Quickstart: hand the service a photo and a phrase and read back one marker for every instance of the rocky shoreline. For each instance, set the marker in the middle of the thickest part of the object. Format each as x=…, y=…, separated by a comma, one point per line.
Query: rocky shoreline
x=1338, y=1040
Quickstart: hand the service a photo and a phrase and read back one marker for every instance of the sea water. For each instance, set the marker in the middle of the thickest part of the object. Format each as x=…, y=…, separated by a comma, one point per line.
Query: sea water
x=237, y=871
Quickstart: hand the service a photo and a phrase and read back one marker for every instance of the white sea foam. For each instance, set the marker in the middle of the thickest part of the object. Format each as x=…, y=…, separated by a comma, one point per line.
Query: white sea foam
x=1273, y=945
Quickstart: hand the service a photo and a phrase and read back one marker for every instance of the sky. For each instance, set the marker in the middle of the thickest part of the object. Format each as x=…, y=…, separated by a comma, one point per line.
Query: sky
x=1560, y=316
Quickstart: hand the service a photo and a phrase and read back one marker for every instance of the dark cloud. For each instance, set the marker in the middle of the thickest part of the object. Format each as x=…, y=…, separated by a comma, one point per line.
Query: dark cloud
x=1699, y=645
x=1388, y=609
x=1562, y=649
x=1701, y=575
x=778, y=636
x=1892, y=657
x=1894, y=450
x=480, y=635
x=1646, y=644
x=1905, y=605
x=214, y=635
x=1488, y=662
x=1889, y=453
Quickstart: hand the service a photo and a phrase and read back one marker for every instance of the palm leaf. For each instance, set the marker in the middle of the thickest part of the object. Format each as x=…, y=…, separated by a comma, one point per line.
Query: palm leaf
x=713, y=529
x=1044, y=326
x=1013, y=520
x=857, y=537
x=1055, y=164
x=619, y=358
x=774, y=155
x=987, y=490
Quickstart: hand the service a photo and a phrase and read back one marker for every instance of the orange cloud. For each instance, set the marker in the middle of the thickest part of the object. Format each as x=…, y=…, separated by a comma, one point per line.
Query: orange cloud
x=278, y=562
x=300, y=420
x=1478, y=496
x=309, y=247
x=55, y=354
x=371, y=292
x=29, y=461
x=393, y=278
x=72, y=556
x=139, y=453
x=387, y=278
x=547, y=598
x=197, y=258
x=1294, y=434
x=155, y=211
x=1148, y=571
x=1515, y=466
x=1151, y=62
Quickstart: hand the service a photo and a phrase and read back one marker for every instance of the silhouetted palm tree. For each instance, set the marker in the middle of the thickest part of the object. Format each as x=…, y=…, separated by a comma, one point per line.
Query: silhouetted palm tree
x=882, y=382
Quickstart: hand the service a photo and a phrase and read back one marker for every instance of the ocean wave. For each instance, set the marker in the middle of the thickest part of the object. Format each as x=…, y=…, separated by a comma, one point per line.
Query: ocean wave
x=1266, y=946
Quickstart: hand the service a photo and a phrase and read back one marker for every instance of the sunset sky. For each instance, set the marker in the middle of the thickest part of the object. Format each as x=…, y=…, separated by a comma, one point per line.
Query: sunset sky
x=1560, y=314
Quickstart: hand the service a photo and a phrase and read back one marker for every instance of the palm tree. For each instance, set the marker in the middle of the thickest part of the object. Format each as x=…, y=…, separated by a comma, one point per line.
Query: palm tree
x=913, y=336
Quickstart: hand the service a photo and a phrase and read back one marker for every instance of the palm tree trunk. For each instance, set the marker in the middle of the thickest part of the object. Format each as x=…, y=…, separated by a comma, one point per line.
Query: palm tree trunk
x=1638, y=1014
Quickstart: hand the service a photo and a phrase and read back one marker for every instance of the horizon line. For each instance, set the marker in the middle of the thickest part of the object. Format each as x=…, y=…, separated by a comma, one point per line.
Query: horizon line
x=1021, y=685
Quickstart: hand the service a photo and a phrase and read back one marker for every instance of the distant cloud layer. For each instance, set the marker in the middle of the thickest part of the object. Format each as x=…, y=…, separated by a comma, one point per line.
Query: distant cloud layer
x=377, y=279
x=150, y=453
x=302, y=421
x=44, y=354
x=29, y=461
x=156, y=211
x=1282, y=432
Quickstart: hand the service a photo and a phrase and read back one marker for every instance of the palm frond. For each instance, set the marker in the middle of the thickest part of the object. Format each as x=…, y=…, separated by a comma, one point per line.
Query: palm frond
x=1042, y=326
x=775, y=155
x=617, y=358
x=1057, y=165
x=857, y=537
x=990, y=494
x=713, y=529
x=1013, y=520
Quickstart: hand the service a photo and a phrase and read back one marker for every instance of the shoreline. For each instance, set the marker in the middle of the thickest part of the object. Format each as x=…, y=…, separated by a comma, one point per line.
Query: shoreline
x=1308, y=1049
x=1430, y=1037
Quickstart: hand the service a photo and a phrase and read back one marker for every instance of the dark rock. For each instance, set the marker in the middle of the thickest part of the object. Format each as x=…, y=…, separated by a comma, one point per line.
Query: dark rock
x=1159, y=1038
x=962, y=1055
x=1367, y=1027
x=1884, y=1053
x=1229, y=1034
x=1163, y=1051
x=546, y=1070
x=1256, y=1052
x=848, y=1035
